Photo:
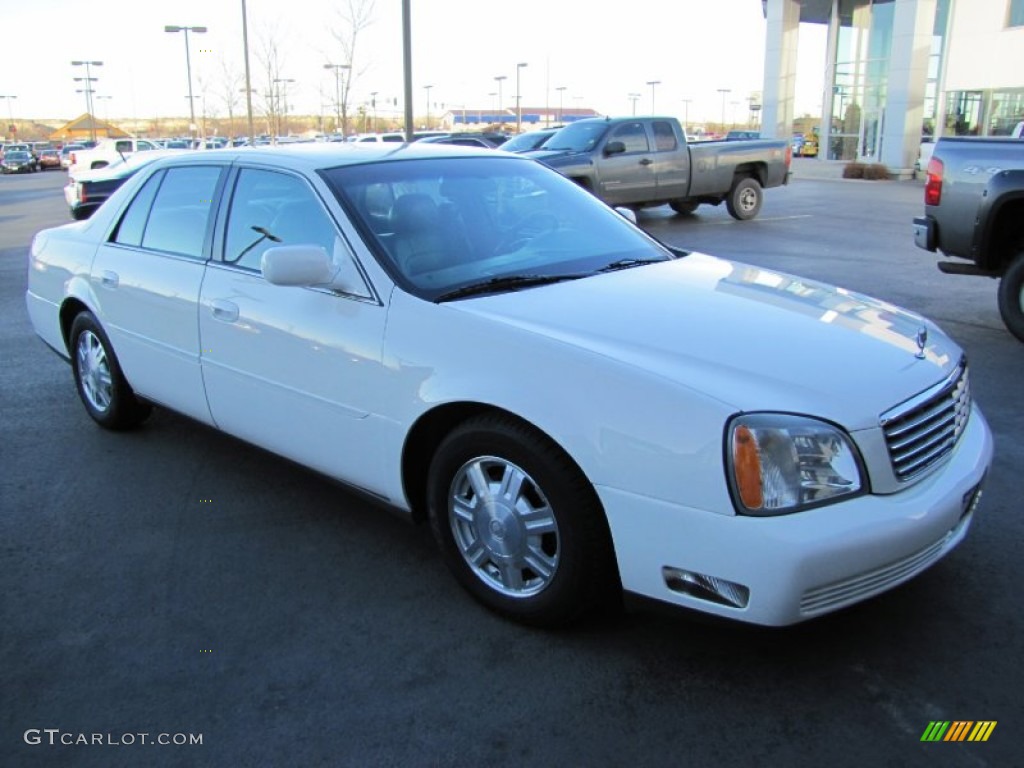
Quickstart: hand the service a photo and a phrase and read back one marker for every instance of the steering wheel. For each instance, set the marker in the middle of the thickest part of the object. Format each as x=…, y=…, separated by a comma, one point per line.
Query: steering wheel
x=527, y=228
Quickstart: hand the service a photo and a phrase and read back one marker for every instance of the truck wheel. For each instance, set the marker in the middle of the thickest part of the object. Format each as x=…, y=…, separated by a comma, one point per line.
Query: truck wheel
x=1011, y=296
x=684, y=207
x=744, y=199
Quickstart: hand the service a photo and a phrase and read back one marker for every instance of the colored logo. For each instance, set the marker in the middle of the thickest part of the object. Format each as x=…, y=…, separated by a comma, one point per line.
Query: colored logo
x=959, y=730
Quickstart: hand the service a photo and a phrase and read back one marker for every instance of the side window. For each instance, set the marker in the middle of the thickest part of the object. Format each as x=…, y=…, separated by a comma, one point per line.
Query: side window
x=133, y=223
x=664, y=136
x=633, y=136
x=123, y=146
x=143, y=146
x=270, y=208
x=177, y=222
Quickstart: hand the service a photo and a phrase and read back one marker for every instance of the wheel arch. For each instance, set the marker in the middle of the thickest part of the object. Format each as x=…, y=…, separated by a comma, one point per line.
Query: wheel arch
x=69, y=310
x=1003, y=238
x=431, y=428
x=754, y=171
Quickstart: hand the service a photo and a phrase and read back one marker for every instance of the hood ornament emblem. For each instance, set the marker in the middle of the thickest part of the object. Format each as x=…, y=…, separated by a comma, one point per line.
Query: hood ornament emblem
x=922, y=341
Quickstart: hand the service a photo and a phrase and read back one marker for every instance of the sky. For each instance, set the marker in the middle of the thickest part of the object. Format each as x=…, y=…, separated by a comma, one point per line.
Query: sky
x=599, y=53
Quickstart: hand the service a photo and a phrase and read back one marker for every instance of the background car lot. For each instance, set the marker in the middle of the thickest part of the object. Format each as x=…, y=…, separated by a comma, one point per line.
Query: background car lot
x=174, y=579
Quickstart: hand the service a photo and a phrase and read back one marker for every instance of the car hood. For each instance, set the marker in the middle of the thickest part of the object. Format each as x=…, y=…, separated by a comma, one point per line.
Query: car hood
x=558, y=157
x=746, y=336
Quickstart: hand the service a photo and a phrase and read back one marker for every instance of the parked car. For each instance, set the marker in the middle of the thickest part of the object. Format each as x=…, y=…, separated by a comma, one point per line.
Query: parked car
x=810, y=147
x=65, y=154
x=530, y=140
x=575, y=407
x=460, y=140
x=106, y=152
x=18, y=161
x=49, y=158
x=742, y=135
x=974, y=213
x=646, y=161
x=20, y=147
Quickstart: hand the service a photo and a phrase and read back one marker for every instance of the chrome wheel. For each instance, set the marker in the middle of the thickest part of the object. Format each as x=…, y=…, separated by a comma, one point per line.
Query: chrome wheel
x=94, y=371
x=747, y=200
x=504, y=527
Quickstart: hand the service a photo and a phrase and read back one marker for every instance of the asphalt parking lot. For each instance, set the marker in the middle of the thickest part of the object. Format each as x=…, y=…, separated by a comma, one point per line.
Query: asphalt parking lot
x=176, y=582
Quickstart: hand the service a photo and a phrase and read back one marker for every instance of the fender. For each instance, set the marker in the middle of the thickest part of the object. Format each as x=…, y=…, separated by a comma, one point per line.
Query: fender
x=987, y=245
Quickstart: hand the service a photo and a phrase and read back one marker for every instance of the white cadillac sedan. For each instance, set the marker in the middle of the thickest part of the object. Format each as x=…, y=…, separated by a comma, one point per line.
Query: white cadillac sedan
x=577, y=409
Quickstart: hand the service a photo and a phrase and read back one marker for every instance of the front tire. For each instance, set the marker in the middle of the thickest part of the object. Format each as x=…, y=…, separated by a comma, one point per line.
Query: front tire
x=104, y=391
x=744, y=199
x=1011, y=296
x=518, y=524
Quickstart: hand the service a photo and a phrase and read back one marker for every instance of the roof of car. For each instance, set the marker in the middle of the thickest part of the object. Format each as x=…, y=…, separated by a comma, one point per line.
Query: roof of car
x=315, y=156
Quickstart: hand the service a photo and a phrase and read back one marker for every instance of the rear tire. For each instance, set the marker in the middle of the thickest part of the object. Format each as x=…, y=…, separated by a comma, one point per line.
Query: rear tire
x=103, y=389
x=1011, y=296
x=744, y=199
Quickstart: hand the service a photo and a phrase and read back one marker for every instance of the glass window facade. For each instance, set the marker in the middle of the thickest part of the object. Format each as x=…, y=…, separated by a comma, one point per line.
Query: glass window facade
x=1015, y=15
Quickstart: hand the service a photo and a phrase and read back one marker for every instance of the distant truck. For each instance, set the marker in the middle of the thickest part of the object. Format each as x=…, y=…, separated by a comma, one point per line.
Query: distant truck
x=106, y=152
x=974, y=211
x=639, y=162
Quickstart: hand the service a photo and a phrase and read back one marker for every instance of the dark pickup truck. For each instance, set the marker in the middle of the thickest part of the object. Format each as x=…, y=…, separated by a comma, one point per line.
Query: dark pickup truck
x=639, y=162
x=974, y=211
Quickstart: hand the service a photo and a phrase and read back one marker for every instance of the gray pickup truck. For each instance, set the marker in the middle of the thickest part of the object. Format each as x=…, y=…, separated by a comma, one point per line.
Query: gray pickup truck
x=645, y=161
x=974, y=210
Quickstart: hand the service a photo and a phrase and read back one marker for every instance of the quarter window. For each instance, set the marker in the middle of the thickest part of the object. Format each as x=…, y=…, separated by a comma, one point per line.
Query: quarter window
x=664, y=136
x=133, y=223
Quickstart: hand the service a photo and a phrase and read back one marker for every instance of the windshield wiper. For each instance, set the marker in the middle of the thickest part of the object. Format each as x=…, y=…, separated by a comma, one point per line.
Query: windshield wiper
x=627, y=263
x=507, y=283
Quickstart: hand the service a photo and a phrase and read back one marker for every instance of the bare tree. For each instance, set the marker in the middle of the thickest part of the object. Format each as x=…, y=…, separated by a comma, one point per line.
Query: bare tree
x=271, y=63
x=353, y=17
x=231, y=88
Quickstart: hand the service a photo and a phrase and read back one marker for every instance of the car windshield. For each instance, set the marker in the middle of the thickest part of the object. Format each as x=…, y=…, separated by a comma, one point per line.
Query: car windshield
x=578, y=137
x=17, y=155
x=526, y=141
x=445, y=225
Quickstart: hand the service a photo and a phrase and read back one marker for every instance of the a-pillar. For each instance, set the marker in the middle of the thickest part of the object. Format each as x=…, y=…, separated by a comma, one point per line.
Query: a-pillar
x=783, y=29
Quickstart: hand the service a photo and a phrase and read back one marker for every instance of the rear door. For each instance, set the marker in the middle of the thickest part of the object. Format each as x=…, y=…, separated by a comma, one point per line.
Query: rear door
x=671, y=160
x=146, y=279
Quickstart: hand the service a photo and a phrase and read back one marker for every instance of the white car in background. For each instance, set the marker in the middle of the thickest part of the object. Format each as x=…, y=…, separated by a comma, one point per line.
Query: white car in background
x=575, y=407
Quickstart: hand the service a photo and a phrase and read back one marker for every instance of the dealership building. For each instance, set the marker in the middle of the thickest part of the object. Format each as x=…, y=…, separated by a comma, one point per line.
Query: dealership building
x=897, y=71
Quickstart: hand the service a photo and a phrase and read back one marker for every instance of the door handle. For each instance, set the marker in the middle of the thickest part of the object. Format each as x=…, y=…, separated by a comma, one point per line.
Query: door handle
x=646, y=161
x=109, y=279
x=224, y=310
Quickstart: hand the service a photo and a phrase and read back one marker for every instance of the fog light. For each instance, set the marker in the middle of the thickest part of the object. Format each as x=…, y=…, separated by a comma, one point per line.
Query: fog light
x=704, y=587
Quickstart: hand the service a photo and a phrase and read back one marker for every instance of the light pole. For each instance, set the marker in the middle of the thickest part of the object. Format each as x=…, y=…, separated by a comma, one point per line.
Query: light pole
x=500, y=79
x=427, y=89
x=686, y=115
x=248, y=82
x=519, y=106
x=337, y=92
x=106, y=111
x=88, y=80
x=561, y=93
x=285, y=81
x=633, y=98
x=724, y=92
x=10, y=114
x=188, y=67
x=373, y=104
x=653, y=83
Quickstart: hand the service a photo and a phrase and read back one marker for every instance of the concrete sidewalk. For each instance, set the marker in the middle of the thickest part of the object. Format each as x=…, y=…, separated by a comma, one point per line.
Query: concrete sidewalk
x=814, y=168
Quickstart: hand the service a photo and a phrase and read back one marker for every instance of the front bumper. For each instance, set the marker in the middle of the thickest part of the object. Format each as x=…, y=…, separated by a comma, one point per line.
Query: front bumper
x=794, y=567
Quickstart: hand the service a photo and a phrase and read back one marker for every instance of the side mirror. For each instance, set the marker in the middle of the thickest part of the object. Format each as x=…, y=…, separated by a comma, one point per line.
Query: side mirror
x=297, y=265
x=614, y=148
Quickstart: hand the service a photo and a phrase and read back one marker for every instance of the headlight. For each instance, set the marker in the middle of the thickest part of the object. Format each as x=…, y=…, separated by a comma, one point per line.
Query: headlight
x=779, y=463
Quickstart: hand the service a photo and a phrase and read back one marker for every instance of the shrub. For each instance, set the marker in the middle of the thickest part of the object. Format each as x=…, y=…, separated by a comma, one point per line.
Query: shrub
x=853, y=171
x=876, y=172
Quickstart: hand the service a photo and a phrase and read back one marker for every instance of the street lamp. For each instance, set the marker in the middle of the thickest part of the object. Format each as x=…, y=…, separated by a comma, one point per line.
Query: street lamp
x=188, y=67
x=10, y=113
x=686, y=115
x=499, y=79
x=106, y=111
x=634, y=97
x=373, y=104
x=88, y=79
x=724, y=92
x=653, y=83
x=285, y=81
x=337, y=91
x=427, y=89
x=519, y=106
x=561, y=93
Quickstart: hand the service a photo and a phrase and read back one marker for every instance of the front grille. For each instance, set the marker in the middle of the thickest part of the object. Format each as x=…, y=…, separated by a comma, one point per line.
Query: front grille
x=922, y=430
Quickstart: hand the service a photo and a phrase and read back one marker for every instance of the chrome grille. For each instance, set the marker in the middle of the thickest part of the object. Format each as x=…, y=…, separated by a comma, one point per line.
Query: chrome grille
x=922, y=430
